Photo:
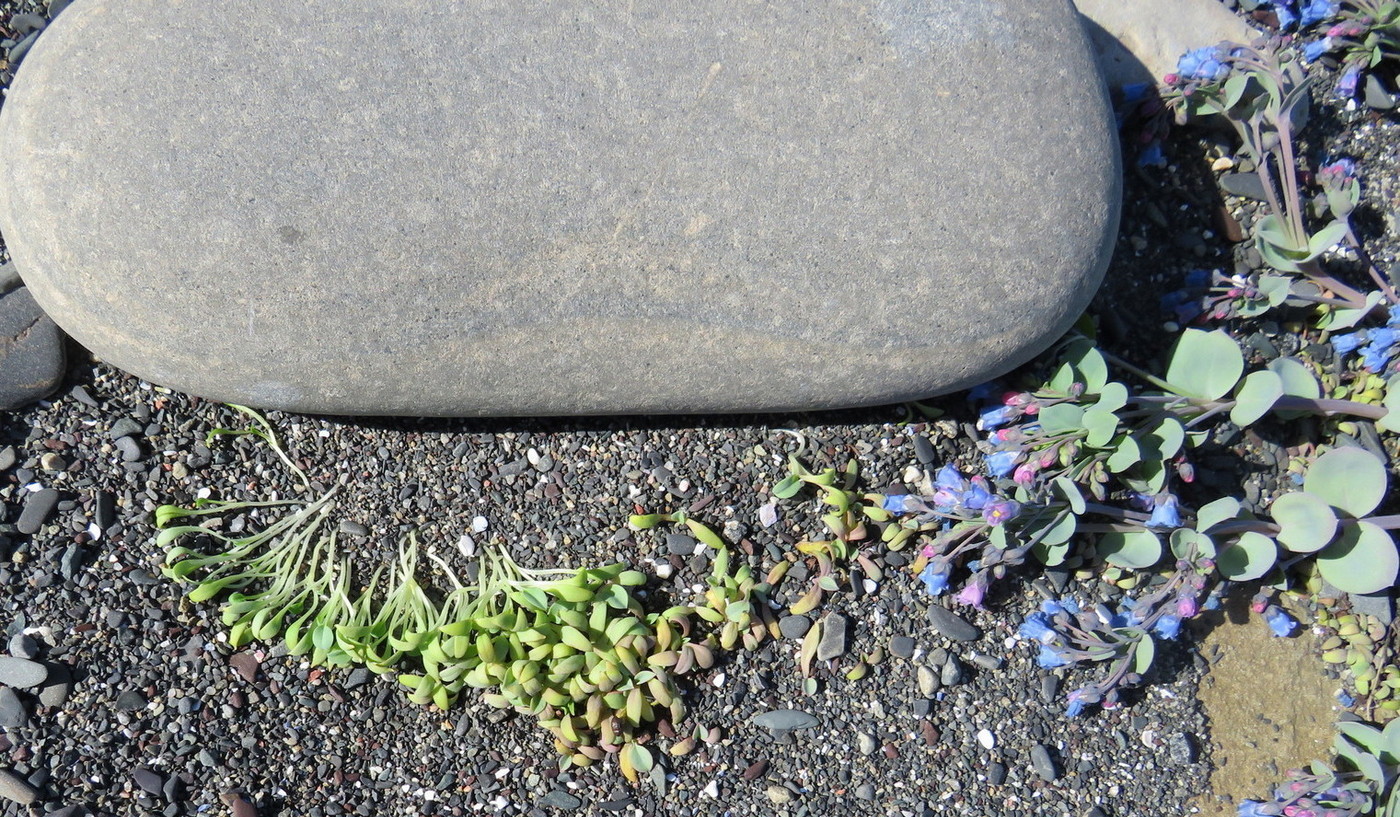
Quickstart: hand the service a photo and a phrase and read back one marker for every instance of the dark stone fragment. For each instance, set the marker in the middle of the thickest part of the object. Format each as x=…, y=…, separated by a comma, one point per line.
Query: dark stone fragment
x=245, y=664
x=785, y=720
x=560, y=799
x=125, y=427
x=923, y=707
x=865, y=791
x=678, y=544
x=38, y=506
x=1378, y=96
x=756, y=770
x=57, y=687
x=173, y=790
x=794, y=626
x=106, y=510
x=238, y=805
x=902, y=646
x=1049, y=687
x=71, y=561
x=923, y=450
x=996, y=773
x=1042, y=763
x=1181, y=748
x=148, y=780
x=131, y=701
x=951, y=625
x=618, y=804
x=31, y=347
x=1246, y=185
x=833, y=640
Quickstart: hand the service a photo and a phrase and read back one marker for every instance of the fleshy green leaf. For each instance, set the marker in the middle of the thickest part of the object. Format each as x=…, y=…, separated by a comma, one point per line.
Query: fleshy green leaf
x=1257, y=394
x=1131, y=549
x=1306, y=522
x=1143, y=655
x=1089, y=363
x=1182, y=541
x=1205, y=365
x=787, y=487
x=1391, y=421
x=1051, y=555
x=1125, y=455
x=1102, y=425
x=1362, y=560
x=1349, y=479
x=1248, y=557
x=1213, y=513
x=1067, y=489
x=1326, y=238
x=1112, y=396
x=1061, y=418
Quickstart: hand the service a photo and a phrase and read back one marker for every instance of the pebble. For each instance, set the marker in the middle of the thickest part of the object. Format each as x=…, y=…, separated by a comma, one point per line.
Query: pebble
x=785, y=720
x=928, y=681
x=779, y=795
x=7, y=457
x=1181, y=748
x=52, y=462
x=902, y=646
x=755, y=770
x=24, y=646
x=678, y=544
x=245, y=664
x=951, y=625
x=57, y=687
x=21, y=673
x=37, y=508
x=996, y=773
x=986, y=739
x=238, y=805
x=1049, y=688
x=13, y=713
x=794, y=626
x=865, y=791
x=923, y=450
x=1042, y=763
x=952, y=673
x=31, y=347
x=560, y=799
x=990, y=662
x=125, y=427
x=131, y=701
x=16, y=789
x=149, y=781
x=129, y=448
x=867, y=744
x=833, y=640
x=353, y=528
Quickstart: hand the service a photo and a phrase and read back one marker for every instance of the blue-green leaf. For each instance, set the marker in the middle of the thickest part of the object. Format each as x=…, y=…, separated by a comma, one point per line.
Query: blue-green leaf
x=1363, y=559
x=1247, y=558
x=1350, y=479
x=1132, y=549
x=1205, y=365
x=1257, y=394
x=1306, y=521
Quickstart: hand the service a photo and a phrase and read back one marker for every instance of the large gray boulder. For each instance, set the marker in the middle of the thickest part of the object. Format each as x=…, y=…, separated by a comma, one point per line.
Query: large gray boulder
x=516, y=208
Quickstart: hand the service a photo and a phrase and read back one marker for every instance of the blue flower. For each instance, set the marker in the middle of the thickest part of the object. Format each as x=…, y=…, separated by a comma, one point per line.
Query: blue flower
x=935, y=577
x=983, y=391
x=1346, y=86
x=1167, y=627
x=1250, y=808
x=994, y=417
x=1037, y=627
x=1049, y=659
x=1001, y=511
x=1315, y=11
x=1164, y=513
x=1078, y=699
x=1375, y=357
x=1384, y=337
x=1287, y=17
x=894, y=503
x=1000, y=463
x=976, y=497
x=1203, y=64
x=1394, y=318
x=1281, y=623
x=1315, y=49
x=1053, y=606
x=949, y=478
x=1348, y=343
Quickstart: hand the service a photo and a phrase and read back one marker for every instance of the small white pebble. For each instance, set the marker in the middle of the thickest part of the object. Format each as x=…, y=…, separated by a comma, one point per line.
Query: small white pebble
x=94, y=531
x=870, y=587
x=664, y=570
x=467, y=545
x=479, y=524
x=985, y=738
x=718, y=680
x=712, y=789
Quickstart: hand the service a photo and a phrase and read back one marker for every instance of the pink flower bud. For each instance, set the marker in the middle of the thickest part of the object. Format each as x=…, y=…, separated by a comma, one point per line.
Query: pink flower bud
x=1170, y=79
x=1186, y=607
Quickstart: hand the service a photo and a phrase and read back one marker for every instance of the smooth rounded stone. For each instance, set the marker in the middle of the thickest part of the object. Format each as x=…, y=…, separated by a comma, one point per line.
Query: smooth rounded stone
x=951, y=624
x=37, y=508
x=1043, y=764
x=928, y=681
x=785, y=720
x=31, y=351
x=867, y=744
x=952, y=673
x=57, y=686
x=562, y=208
x=16, y=789
x=1141, y=42
x=149, y=781
x=13, y=712
x=794, y=626
x=21, y=673
x=132, y=700
x=24, y=646
x=865, y=791
x=902, y=646
x=996, y=773
x=779, y=795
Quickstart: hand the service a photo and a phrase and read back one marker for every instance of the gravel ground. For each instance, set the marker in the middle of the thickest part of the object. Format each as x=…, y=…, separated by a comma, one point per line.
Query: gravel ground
x=147, y=710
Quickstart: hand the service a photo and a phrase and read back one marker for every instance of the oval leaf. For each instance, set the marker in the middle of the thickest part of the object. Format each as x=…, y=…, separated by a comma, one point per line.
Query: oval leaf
x=1350, y=479
x=1101, y=424
x=1213, y=513
x=1060, y=418
x=1298, y=380
x=1247, y=558
x=1256, y=396
x=1132, y=549
x=1362, y=560
x=1204, y=364
x=1143, y=655
x=1112, y=397
x=1306, y=522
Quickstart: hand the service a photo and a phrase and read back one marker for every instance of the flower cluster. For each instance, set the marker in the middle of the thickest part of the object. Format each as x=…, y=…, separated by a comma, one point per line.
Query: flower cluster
x=1303, y=13
x=1305, y=794
x=1377, y=345
x=1209, y=64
